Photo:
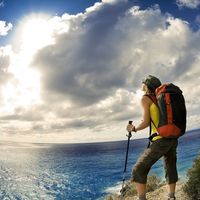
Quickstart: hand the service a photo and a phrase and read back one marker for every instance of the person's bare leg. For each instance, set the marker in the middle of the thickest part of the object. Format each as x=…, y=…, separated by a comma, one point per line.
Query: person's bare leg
x=171, y=190
x=141, y=190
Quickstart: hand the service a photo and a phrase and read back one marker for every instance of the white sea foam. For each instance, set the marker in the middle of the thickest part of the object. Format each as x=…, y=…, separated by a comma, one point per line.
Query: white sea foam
x=114, y=189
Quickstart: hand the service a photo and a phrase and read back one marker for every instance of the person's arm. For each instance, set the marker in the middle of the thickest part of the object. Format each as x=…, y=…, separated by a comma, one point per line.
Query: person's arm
x=145, y=102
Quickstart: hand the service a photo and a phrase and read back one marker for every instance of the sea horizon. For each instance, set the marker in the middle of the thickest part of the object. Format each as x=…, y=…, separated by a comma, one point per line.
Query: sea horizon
x=78, y=171
x=88, y=142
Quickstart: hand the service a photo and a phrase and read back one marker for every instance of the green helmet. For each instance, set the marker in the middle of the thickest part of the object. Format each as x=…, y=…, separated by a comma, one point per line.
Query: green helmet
x=152, y=82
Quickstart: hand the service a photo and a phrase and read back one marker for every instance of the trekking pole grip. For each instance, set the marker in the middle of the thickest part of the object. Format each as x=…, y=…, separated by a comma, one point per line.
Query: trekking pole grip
x=129, y=133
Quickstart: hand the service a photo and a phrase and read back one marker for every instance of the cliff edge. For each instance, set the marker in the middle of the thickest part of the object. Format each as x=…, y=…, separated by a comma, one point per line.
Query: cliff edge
x=158, y=194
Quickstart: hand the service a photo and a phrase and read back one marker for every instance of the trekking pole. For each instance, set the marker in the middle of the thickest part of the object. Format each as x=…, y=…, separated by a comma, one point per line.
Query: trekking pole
x=129, y=136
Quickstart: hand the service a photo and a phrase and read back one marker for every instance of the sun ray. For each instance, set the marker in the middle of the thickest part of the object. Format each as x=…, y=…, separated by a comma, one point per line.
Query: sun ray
x=24, y=88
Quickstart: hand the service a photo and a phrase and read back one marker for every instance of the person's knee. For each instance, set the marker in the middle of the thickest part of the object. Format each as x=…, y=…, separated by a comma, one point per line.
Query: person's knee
x=139, y=174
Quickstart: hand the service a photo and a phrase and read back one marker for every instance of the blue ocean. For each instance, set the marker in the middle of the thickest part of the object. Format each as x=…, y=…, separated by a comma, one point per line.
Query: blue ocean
x=77, y=171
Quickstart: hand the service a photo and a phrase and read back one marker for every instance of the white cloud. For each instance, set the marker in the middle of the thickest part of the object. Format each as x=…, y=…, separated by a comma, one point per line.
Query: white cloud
x=5, y=75
x=188, y=3
x=197, y=20
x=90, y=74
x=115, y=52
x=4, y=28
x=2, y=4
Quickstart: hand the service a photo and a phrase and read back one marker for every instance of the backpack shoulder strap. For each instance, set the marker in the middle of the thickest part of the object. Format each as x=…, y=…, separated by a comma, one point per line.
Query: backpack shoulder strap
x=153, y=98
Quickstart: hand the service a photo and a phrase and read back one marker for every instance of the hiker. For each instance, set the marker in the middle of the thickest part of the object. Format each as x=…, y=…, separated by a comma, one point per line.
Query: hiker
x=160, y=147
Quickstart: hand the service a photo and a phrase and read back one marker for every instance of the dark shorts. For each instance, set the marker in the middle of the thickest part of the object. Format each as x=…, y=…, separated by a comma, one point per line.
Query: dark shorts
x=165, y=148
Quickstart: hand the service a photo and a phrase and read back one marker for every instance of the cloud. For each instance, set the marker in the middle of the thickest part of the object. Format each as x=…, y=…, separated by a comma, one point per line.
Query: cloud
x=4, y=28
x=5, y=75
x=188, y=3
x=107, y=49
x=81, y=74
x=86, y=77
x=113, y=46
x=2, y=4
x=197, y=20
x=91, y=74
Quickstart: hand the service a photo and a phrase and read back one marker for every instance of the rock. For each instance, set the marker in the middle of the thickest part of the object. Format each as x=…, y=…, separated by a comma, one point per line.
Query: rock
x=161, y=193
x=158, y=194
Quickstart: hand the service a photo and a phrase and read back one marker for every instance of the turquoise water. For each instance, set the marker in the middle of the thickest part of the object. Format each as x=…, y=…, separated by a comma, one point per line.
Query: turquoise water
x=77, y=171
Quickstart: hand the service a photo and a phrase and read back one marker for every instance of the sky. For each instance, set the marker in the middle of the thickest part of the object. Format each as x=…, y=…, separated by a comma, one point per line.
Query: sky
x=71, y=71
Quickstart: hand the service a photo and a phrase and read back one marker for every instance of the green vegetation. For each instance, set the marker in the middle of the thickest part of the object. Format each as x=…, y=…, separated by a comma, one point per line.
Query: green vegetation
x=129, y=190
x=153, y=183
x=192, y=187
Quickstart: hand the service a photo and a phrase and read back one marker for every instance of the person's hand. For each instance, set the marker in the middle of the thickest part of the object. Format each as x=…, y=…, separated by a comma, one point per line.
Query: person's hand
x=129, y=127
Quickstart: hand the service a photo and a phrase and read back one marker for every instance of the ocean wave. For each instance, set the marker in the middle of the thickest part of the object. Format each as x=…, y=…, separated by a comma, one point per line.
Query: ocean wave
x=114, y=189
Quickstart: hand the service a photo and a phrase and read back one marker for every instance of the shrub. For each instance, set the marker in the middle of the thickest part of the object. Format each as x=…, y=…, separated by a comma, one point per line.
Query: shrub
x=192, y=187
x=129, y=189
x=153, y=183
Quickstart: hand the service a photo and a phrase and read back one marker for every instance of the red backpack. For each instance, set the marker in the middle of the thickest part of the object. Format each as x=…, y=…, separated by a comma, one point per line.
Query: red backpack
x=172, y=110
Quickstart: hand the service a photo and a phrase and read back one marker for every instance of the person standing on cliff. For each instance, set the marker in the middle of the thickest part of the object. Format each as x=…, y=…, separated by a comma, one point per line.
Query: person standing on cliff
x=160, y=147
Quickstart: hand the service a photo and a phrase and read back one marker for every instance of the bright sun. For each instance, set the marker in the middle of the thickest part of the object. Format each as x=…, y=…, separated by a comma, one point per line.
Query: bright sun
x=36, y=33
x=24, y=89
